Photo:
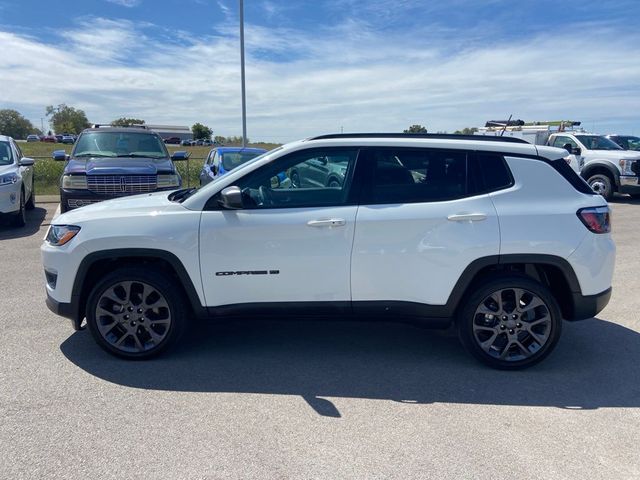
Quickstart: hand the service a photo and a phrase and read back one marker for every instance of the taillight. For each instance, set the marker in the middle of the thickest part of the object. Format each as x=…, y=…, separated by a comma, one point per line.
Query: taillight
x=596, y=219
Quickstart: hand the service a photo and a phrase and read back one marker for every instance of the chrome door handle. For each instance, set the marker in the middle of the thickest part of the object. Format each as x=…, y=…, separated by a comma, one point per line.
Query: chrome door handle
x=467, y=217
x=329, y=222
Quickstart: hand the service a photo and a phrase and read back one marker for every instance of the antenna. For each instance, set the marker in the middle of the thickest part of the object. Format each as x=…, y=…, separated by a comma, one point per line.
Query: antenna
x=505, y=125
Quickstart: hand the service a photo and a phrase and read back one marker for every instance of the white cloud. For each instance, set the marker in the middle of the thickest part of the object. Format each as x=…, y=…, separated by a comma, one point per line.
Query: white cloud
x=126, y=3
x=345, y=76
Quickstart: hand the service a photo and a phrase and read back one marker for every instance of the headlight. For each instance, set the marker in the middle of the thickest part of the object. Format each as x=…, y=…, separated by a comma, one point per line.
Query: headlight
x=74, y=182
x=8, y=179
x=58, y=235
x=627, y=167
x=165, y=181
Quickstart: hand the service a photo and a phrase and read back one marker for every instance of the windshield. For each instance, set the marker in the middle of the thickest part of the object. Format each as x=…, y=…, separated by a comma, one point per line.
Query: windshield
x=120, y=144
x=231, y=160
x=632, y=143
x=5, y=154
x=597, y=142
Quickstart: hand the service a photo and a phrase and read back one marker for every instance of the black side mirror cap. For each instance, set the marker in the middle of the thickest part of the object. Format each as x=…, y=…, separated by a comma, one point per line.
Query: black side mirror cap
x=180, y=155
x=231, y=198
x=60, y=156
x=576, y=151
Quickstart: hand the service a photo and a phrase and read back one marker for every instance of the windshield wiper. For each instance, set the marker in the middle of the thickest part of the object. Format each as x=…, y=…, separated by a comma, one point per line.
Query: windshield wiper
x=181, y=195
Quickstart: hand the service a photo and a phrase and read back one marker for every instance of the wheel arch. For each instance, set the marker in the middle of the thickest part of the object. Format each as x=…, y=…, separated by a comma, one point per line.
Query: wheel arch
x=552, y=271
x=601, y=167
x=97, y=264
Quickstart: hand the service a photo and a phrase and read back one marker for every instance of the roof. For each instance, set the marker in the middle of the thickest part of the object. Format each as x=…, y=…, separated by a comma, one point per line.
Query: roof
x=404, y=136
x=4, y=138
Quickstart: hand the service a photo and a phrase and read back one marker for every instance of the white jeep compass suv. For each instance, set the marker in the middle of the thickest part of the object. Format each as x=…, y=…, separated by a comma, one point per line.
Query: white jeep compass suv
x=494, y=235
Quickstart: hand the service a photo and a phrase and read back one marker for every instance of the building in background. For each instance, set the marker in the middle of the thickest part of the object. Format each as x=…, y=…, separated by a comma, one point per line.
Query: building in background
x=170, y=131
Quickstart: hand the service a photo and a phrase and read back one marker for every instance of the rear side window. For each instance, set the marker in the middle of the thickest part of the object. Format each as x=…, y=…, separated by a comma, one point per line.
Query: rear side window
x=494, y=171
x=415, y=175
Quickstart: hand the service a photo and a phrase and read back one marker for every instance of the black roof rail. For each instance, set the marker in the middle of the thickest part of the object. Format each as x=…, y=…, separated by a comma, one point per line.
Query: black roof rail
x=441, y=136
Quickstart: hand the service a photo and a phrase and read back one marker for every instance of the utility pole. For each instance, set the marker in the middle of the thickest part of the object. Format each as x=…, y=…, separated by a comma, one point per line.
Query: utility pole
x=244, y=100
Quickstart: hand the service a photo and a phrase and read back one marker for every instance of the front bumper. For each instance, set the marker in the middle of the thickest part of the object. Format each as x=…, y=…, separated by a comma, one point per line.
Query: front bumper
x=70, y=199
x=629, y=184
x=66, y=310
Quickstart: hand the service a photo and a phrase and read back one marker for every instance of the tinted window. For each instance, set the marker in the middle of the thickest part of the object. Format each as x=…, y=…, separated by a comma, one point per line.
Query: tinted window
x=416, y=175
x=311, y=178
x=231, y=160
x=494, y=171
x=120, y=144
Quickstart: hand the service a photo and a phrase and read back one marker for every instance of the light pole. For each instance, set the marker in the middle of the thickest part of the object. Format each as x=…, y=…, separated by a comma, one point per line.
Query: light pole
x=244, y=100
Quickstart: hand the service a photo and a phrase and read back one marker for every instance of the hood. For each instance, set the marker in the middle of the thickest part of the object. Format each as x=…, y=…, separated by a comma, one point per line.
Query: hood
x=119, y=166
x=136, y=205
x=7, y=168
x=611, y=154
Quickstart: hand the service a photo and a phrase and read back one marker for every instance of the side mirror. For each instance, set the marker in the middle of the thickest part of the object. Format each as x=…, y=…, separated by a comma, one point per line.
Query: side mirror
x=59, y=155
x=26, y=162
x=576, y=151
x=231, y=198
x=180, y=155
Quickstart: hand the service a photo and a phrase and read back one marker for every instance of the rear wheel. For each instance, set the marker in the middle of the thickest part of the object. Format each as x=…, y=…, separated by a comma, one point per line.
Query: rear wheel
x=510, y=323
x=136, y=313
x=601, y=184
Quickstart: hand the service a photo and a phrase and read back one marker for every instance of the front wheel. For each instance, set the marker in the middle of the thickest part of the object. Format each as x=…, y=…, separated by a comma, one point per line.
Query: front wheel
x=135, y=313
x=601, y=184
x=20, y=218
x=510, y=323
x=31, y=203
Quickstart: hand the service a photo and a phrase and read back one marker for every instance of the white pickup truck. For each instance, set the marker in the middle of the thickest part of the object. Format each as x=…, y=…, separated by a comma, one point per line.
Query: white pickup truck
x=607, y=167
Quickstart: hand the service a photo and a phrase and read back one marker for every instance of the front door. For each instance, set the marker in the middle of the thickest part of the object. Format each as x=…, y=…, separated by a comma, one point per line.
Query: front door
x=288, y=244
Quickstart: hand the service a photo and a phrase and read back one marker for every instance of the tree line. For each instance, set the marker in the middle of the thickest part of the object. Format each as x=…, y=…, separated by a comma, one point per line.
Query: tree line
x=65, y=119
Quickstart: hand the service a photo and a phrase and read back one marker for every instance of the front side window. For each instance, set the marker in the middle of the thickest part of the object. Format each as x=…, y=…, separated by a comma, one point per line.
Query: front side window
x=231, y=160
x=311, y=178
x=120, y=144
x=416, y=175
x=561, y=141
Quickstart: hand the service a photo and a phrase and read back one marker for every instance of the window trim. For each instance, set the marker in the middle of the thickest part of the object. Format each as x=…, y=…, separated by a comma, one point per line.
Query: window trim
x=352, y=183
x=366, y=197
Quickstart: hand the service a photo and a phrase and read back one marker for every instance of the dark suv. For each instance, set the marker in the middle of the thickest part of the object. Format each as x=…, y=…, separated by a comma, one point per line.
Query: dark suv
x=110, y=162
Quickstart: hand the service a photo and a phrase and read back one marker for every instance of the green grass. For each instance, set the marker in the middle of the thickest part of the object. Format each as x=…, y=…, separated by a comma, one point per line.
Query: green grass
x=48, y=171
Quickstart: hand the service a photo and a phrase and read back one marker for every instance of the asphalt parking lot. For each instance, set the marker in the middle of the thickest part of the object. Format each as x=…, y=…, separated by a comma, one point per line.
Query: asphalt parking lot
x=314, y=400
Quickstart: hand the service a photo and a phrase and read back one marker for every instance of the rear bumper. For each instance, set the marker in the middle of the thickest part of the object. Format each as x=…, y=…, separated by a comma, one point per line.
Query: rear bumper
x=588, y=306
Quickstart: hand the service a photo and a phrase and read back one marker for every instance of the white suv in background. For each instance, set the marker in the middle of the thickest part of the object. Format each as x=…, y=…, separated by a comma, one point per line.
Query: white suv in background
x=436, y=229
x=16, y=182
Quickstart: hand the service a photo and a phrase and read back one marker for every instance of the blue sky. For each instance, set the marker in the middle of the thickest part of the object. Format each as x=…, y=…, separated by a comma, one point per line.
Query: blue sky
x=316, y=67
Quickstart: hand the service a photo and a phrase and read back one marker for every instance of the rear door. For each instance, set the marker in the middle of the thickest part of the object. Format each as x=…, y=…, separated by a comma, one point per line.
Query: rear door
x=419, y=225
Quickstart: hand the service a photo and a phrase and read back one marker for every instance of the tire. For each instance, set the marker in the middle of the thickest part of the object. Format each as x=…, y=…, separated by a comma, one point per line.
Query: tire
x=333, y=183
x=136, y=313
x=20, y=218
x=506, y=337
x=601, y=184
x=31, y=203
